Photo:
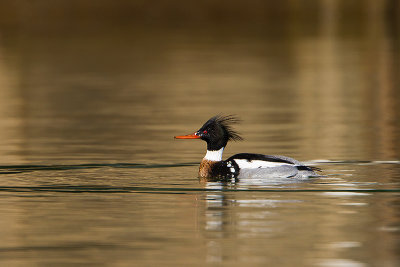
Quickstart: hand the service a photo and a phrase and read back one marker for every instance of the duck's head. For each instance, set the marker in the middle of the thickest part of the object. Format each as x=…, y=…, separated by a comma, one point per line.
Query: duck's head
x=217, y=131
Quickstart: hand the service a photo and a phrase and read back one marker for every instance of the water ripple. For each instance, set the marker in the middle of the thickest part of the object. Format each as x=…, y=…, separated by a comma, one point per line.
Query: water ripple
x=11, y=169
x=139, y=189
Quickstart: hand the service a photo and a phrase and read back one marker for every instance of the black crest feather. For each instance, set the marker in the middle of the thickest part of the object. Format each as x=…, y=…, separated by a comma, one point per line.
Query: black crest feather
x=226, y=123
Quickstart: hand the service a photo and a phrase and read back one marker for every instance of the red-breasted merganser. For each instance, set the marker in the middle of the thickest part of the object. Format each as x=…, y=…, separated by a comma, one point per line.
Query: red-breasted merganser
x=217, y=131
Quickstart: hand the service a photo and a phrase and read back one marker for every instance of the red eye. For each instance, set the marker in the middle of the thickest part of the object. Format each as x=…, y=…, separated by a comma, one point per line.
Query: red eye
x=205, y=131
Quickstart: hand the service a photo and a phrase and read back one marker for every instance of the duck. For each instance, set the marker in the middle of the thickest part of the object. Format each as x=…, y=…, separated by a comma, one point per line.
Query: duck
x=217, y=132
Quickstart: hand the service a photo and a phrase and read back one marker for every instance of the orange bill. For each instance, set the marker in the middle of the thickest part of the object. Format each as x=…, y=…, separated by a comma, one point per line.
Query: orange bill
x=189, y=136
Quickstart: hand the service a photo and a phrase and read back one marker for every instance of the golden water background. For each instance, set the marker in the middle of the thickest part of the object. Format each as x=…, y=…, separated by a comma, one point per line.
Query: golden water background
x=92, y=93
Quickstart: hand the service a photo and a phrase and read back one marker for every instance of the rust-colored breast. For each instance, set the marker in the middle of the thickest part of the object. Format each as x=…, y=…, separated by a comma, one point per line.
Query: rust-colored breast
x=205, y=169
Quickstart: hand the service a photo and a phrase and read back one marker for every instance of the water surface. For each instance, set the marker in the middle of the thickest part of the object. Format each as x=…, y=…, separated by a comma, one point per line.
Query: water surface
x=90, y=173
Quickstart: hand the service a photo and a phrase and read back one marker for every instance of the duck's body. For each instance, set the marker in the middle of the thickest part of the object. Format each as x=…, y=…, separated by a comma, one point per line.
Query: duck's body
x=217, y=132
x=246, y=165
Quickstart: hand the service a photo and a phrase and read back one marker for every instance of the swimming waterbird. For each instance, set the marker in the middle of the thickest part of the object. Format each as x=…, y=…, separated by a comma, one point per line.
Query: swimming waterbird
x=217, y=131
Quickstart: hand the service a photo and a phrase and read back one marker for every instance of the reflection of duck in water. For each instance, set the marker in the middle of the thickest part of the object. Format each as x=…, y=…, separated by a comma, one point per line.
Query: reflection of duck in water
x=217, y=131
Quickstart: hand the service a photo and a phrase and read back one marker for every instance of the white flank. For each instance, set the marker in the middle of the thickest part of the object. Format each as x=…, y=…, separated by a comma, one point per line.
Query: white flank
x=214, y=155
x=253, y=164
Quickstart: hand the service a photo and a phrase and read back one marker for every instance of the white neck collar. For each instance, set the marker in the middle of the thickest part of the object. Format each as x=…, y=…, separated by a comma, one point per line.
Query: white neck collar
x=214, y=155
